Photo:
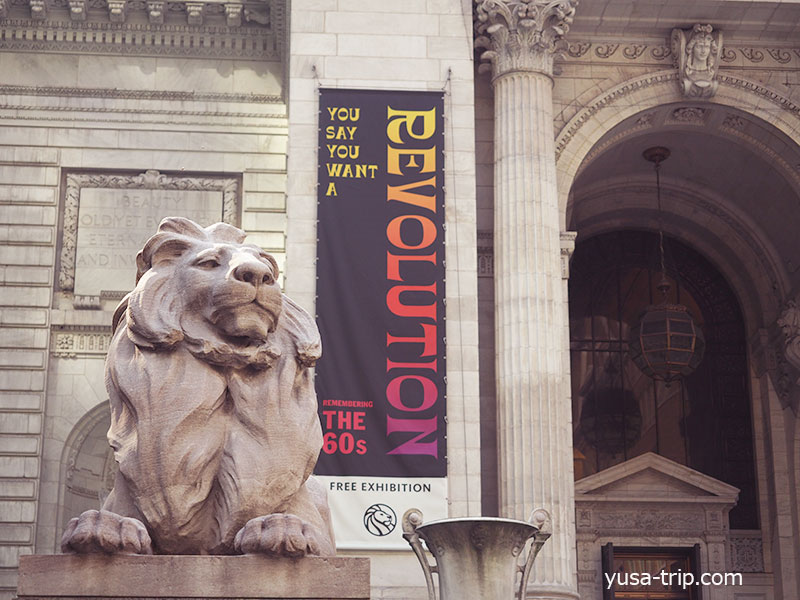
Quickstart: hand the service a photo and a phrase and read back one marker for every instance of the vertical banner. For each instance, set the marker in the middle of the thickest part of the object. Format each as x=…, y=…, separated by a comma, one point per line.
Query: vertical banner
x=380, y=309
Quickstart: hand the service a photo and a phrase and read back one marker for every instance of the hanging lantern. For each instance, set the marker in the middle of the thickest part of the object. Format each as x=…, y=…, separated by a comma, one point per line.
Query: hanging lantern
x=666, y=344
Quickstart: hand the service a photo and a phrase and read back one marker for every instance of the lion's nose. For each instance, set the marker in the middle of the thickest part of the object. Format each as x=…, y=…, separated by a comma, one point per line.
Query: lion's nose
x=253, y=273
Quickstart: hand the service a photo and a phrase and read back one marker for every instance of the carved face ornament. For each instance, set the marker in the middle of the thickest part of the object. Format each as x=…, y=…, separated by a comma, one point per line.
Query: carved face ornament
x=701, y=50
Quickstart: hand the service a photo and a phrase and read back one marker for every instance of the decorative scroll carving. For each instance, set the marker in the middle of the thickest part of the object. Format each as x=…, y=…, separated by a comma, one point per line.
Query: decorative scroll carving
x=747, y=554
x=521, y=35
x=633, y=52
x=779, y=55
x=752, y=54
x=578, y=50
x=606, y=50
x=152, y=180
x=661, y=52
x=645, y=53
x=696, y=55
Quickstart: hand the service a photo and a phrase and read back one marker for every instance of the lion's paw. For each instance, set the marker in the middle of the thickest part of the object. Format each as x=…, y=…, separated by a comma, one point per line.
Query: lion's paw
x=277, y=535
x=103, y=531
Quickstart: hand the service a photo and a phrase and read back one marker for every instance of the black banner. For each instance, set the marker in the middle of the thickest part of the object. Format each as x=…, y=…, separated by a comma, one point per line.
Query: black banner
x=380, y=283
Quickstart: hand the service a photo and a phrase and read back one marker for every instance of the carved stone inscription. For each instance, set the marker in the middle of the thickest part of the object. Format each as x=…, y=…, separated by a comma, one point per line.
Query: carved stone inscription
x=113, y=224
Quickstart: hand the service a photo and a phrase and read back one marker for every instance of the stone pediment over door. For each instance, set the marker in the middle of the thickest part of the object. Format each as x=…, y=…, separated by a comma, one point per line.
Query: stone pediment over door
x=650, y=502
x=653, y=478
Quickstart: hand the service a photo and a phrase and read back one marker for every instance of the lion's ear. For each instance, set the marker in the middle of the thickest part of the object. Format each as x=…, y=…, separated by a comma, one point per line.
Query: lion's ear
x=181, y=226
x=223, y=232
x=161, y=247
x=154, y=311
x=302, y=331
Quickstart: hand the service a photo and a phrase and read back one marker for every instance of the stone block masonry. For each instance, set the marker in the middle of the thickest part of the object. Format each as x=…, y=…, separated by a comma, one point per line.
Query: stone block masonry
x=27, y=219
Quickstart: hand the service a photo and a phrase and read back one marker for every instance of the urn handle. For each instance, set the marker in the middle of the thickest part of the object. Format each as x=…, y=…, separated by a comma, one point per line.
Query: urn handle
x=412, y=519
x=540, y=518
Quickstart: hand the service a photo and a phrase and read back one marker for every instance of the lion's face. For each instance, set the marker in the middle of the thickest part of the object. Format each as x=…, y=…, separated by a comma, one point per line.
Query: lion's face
x=206, y=286
x=232, y=287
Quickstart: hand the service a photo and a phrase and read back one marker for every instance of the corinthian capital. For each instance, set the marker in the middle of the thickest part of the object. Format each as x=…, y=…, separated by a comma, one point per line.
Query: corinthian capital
x=521, y=35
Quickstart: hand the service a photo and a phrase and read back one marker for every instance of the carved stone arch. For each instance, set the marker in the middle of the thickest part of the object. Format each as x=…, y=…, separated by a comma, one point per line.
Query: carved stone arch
x=87, y=468
x=640, y=94
x=763, y=283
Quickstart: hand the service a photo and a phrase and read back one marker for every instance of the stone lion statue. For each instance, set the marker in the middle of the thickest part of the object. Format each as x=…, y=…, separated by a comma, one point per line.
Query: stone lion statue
x=213, y=411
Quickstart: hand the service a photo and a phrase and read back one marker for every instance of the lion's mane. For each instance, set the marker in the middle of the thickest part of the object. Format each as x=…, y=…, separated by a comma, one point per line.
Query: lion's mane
x=214, y=414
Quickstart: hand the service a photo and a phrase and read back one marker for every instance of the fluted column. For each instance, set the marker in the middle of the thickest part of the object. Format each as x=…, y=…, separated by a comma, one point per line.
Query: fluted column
x=534, y=412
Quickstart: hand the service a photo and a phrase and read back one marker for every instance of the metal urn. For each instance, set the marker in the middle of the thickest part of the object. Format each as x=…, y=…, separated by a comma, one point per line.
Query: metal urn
x=476, y=558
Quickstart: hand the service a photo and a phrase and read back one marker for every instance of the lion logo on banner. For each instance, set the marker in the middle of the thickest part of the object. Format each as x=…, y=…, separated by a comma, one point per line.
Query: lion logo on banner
x=380, y=519
x=213, y=411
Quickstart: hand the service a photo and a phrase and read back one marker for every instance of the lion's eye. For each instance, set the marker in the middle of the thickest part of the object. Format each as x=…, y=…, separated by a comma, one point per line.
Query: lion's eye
x=208, y=263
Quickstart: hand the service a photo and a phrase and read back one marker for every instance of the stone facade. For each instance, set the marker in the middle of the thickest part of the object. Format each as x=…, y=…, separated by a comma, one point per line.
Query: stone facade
x=120, y=92
x=74, y=108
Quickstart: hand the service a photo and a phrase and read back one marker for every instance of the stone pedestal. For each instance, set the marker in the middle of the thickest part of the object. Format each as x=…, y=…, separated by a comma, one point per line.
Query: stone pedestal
x=101, y=577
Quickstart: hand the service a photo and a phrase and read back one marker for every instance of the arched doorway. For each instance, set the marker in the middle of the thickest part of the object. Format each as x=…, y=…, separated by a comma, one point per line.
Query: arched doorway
x=618, y=412
x=729, y=194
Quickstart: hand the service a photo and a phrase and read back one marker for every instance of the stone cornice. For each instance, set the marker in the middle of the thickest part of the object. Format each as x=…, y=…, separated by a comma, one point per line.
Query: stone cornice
x=213, y=28
x=155, y=95
x=521, y=35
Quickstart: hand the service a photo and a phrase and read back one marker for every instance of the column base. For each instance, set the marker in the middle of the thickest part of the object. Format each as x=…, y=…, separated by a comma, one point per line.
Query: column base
x=555, y=592
x=169, y=577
